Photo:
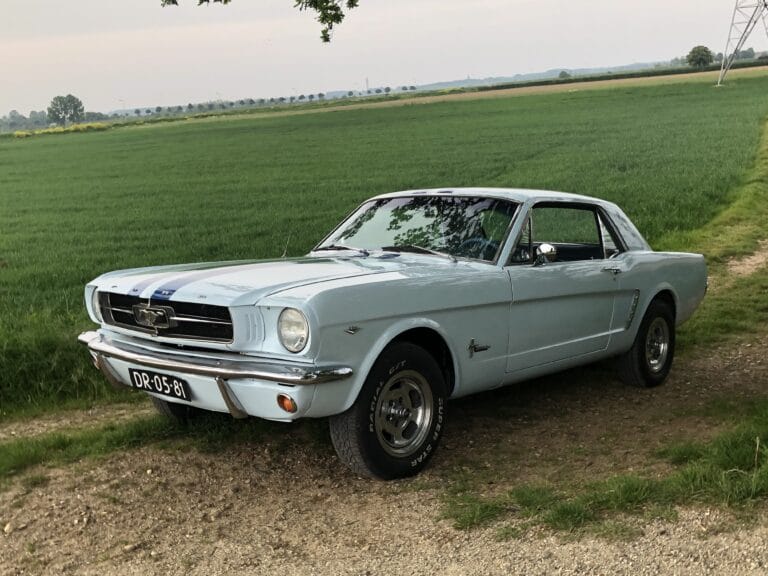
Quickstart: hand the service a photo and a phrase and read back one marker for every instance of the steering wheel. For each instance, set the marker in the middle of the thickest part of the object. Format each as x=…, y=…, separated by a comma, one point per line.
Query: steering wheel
x=477, y=248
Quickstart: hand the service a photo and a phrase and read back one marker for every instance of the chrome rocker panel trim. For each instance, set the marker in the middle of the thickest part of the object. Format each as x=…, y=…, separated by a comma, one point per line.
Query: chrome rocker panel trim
x=291, y=375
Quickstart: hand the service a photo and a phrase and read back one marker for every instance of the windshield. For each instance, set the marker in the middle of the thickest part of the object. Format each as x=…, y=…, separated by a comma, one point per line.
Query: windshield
x=456, y=226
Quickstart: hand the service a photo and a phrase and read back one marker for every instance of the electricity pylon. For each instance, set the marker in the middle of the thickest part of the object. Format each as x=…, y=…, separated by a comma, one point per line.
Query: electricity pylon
x=746, y=15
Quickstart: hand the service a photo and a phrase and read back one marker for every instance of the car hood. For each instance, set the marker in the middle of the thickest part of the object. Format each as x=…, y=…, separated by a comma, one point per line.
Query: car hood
x=247, y=282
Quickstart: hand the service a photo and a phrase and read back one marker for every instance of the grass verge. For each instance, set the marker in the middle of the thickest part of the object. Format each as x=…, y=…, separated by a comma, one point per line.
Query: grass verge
x=736, y=305
x=19, y=455
x=731, y=470
x=212, y=433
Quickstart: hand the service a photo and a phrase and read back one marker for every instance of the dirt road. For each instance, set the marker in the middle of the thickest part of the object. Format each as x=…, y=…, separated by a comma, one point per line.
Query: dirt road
x=285, y=506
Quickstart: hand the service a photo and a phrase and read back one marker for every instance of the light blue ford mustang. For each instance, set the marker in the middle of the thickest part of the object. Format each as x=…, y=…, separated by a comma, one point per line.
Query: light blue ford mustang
x=415, y=298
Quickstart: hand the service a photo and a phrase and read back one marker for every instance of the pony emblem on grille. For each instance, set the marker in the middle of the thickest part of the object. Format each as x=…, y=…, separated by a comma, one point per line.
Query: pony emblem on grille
x=154, y=316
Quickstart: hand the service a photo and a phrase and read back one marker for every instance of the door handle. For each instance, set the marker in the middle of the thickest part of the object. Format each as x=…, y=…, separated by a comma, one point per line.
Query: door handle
x=614, y=271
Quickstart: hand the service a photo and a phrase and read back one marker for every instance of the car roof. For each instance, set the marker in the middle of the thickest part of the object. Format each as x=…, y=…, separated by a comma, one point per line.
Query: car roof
x=521, y=195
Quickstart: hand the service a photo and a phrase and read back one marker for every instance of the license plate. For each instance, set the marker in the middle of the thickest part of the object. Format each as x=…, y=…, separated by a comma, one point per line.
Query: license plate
x=160, y=384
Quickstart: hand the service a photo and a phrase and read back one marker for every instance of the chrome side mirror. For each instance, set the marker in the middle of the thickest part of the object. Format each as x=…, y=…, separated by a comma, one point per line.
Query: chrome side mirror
x=545, y=253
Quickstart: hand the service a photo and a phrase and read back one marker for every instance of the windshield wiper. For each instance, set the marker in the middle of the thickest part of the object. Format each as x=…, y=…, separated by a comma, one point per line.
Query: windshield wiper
x=419, y=250
x=362, y=251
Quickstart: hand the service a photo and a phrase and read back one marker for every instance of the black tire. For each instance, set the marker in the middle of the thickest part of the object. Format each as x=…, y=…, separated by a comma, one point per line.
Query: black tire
x=395, y=425
x=181, y=413
x=648, y=362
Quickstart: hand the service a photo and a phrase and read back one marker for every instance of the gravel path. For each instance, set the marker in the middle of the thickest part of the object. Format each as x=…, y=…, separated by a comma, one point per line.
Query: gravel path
x=285, y=506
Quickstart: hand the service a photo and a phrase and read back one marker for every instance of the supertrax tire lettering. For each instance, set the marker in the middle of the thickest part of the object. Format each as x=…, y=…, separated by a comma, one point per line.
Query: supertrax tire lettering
x=397, y=367
x=367, y=448
x=428, y=448
x=372, y=410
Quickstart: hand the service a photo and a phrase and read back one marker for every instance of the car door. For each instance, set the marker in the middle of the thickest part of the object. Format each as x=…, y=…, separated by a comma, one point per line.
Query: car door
x=561, y=308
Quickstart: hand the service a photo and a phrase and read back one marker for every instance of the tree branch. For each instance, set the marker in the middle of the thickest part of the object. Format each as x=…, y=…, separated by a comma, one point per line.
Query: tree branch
x=330, y=13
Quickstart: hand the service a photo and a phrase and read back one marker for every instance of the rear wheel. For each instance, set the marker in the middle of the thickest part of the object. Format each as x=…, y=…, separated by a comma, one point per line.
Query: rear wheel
x=649, y=361
x=181, y=413
x=395, y=425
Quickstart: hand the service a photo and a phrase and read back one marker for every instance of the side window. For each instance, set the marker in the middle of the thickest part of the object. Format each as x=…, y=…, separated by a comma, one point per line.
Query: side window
x=556, y=225
x=576, y=232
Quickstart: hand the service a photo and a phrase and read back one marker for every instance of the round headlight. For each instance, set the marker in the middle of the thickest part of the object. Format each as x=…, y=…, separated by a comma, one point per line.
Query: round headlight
x=95, y=308
x=293, y=329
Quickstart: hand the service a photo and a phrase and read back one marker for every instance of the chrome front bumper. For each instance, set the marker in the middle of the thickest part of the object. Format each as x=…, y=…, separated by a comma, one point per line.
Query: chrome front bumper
x=292, y=375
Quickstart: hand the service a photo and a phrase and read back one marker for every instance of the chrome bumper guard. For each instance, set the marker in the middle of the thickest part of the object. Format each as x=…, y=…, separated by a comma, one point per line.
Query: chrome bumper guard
x=101, y=346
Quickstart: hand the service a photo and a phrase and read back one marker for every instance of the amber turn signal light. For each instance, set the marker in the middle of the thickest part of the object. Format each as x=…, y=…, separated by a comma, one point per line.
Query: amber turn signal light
x=287, y=403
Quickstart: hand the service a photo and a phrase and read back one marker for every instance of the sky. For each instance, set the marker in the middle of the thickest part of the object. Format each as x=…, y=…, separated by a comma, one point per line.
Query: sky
x=122, y=54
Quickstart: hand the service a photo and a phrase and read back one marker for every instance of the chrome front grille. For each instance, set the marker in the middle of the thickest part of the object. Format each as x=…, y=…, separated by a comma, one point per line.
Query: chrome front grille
x=166, y=318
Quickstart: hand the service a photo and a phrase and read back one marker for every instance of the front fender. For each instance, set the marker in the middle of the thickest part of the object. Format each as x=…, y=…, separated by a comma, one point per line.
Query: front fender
x=337, y=397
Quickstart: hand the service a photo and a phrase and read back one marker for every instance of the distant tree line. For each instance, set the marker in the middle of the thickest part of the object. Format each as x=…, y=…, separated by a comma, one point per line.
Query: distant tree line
x=702, y=56
x=224, y=105
x=62, y=111
x=14, y=120
x=68, y=109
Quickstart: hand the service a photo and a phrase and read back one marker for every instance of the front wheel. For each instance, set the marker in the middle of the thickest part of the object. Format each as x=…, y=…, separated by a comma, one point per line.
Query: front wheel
x=395, y=425
x=648, y=362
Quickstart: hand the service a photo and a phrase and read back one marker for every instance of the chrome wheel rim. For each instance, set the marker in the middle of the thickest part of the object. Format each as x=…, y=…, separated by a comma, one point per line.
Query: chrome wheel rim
x=403, y=413
x=657, y=345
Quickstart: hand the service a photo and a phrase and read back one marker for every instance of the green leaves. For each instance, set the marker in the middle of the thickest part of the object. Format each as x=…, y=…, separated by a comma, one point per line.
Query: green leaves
x=65, y=109
x=700, y=57
x=329, y=12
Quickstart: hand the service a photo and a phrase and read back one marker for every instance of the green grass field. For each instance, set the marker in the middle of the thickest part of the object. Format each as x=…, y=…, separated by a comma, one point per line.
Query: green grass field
x=74, y=206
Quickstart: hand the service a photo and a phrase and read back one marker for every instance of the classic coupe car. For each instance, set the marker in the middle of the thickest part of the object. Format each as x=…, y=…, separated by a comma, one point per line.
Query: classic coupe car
x=415, y=298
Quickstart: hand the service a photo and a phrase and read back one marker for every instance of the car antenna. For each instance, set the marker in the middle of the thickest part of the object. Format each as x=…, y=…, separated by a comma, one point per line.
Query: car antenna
x=285, y=250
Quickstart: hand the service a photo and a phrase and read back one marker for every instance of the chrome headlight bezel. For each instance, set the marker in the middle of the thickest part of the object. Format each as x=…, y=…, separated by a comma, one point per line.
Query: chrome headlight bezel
x=95, y=308
x=293, y=330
